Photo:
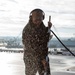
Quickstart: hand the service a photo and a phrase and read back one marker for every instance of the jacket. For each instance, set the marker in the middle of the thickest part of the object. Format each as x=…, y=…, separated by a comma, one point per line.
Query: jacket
x=35, y=40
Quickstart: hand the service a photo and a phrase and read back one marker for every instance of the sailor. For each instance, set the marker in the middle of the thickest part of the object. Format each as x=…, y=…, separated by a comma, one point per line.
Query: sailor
x=35, y=37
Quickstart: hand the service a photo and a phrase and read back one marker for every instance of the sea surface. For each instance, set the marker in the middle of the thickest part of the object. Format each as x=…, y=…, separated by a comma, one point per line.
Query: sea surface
x=12, y=64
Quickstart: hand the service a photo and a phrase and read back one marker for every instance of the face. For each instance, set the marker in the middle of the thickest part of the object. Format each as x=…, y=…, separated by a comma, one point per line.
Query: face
x=37, y=18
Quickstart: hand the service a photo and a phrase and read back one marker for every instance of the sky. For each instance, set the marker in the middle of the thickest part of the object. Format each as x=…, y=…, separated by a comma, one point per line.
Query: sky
x=14, y=15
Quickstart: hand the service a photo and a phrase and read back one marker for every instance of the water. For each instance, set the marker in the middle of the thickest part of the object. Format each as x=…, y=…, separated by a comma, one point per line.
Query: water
x=12, y=64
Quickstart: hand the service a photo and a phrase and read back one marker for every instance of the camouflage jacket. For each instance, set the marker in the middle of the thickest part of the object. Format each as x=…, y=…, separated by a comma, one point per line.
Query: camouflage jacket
x=35, y=40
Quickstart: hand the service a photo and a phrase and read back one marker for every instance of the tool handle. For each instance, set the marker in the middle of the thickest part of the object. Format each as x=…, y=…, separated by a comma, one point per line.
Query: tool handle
x=49, y=18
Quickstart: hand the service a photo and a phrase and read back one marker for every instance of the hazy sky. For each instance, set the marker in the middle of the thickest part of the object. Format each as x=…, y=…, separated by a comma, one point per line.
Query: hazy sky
x=14, y=16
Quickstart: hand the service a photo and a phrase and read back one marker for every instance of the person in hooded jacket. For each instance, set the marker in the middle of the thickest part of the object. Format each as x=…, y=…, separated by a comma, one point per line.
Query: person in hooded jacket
x=35, y=37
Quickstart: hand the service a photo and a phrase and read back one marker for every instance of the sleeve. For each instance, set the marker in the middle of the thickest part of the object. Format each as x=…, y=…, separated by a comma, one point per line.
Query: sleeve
x=48, y=33
x=44, y=54
x=45, y=40
x=26, y=37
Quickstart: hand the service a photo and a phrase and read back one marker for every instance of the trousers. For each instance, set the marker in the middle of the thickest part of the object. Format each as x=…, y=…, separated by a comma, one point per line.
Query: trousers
x=33, y=65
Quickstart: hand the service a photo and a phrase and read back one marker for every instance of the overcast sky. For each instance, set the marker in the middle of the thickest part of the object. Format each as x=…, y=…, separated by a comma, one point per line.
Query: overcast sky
x=14, y=15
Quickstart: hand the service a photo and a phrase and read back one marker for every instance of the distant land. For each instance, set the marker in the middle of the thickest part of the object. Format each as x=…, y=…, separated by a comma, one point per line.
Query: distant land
x=14, y=41
x=69, y=42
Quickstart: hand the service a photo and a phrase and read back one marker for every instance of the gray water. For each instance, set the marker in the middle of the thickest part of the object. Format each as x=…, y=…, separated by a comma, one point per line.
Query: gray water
x=12, y=64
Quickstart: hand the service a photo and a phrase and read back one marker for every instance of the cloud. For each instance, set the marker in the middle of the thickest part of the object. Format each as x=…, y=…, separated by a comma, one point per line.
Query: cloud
x=14, y=14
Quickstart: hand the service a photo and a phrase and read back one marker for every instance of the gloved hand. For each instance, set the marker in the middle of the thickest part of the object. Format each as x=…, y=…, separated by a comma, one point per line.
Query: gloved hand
x=49, y=25
x=45, y=63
